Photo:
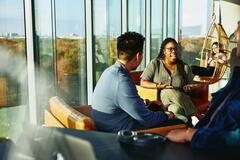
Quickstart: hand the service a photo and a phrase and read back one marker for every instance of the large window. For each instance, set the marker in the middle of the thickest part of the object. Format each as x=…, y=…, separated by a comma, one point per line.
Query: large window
x=106, y=28
x=193, y=28
x=171, y=18
x=136, y=20
x=156, y=26
x=62, y=47
x=136, y=16
x=71, y=54
x=13, y=87
x=44, y=52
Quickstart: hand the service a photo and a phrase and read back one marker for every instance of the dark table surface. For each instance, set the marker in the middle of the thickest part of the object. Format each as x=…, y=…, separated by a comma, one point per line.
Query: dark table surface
x=107, y=147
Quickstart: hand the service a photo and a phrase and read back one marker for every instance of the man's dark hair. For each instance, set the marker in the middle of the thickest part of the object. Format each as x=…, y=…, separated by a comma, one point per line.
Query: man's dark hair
x=129, y=44
x=163, y=45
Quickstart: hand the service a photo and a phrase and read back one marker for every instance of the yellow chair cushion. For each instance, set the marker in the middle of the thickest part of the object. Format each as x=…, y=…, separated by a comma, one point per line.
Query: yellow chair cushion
x=68, y=116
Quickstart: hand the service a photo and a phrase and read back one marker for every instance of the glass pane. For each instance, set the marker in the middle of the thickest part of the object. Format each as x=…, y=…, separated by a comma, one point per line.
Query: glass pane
x=71, y=54
x=136, y=20
x=44, y=50
x=193, y=28
x=156, y=27
x=106, y=28
x=136, y=16
x=13, y=77
x=171, y=18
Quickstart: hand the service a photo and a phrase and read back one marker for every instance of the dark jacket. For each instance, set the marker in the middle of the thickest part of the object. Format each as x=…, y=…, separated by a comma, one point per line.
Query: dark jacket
x=223, y=130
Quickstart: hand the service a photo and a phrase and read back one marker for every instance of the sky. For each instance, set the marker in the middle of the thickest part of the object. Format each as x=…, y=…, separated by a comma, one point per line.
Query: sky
x=194, y=12
x=195, y=16
x=11, y=16
x=70, y=16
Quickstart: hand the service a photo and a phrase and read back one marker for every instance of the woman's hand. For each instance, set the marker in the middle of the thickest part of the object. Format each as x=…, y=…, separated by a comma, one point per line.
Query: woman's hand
x=163, y=85
x=189, y=87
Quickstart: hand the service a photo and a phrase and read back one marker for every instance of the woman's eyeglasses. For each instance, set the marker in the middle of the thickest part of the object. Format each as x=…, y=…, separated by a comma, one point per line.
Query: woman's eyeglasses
x=171, y=49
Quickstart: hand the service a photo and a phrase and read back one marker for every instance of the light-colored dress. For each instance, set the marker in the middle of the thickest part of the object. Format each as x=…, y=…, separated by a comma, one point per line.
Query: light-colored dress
x=174, y=99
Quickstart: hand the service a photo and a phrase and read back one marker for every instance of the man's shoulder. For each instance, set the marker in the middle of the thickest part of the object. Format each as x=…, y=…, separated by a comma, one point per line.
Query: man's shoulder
x=116, y=72
x=115, y=68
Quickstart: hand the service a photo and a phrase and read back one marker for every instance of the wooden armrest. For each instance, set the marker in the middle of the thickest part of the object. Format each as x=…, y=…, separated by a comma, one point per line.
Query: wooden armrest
x=147, y=93
x=164, y=130
x=68, y=116
x=51, y=121
x=203, y=79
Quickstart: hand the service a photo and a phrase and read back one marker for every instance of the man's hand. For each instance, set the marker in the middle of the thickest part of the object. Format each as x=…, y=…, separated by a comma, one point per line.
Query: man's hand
x=155, y=105
x=181, y=135
x=170, y=114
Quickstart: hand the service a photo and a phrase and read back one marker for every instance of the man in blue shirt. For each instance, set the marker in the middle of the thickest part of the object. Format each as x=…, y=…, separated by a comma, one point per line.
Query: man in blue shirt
x=116, y=103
